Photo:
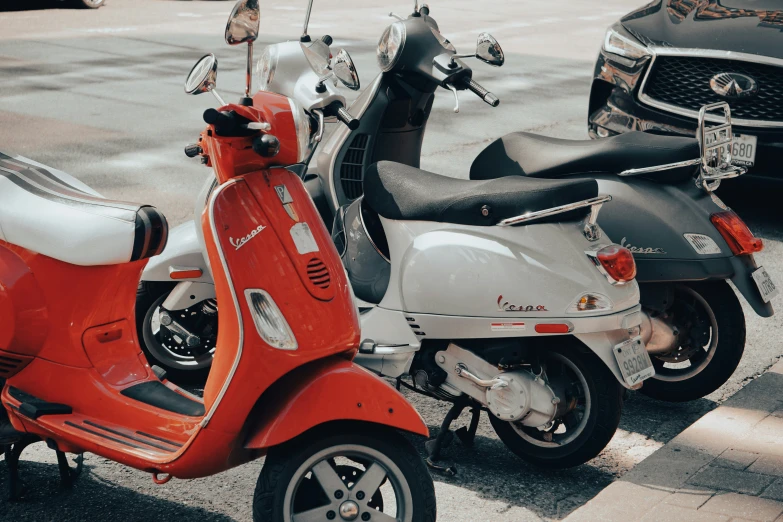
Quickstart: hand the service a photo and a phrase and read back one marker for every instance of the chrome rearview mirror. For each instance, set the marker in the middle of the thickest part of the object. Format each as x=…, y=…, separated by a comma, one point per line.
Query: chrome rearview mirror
x=345, y=71
x=203, y=78
x=243, y=23
x=243, y=26
x=488, y=50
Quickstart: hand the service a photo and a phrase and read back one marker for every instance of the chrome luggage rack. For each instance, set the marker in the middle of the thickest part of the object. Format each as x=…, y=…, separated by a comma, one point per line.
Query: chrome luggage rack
x=591, y=230
x=715, y=143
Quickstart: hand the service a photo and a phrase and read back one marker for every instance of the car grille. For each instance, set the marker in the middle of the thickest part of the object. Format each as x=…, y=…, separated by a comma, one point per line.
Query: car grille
x=684, y=82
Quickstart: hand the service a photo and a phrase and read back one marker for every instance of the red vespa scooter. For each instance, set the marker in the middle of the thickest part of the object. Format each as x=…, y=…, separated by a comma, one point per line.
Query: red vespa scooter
x=282, y=383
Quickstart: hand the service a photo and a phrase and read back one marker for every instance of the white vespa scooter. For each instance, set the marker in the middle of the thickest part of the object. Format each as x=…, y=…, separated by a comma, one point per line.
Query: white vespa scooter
x=501, y=296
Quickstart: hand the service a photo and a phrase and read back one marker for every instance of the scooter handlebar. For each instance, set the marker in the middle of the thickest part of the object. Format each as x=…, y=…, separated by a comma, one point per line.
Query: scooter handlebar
x=344, y=116
x=481, y=92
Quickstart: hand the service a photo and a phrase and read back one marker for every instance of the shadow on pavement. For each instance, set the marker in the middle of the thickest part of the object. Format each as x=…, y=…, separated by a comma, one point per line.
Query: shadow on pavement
x=31, y=5
x=90, y=497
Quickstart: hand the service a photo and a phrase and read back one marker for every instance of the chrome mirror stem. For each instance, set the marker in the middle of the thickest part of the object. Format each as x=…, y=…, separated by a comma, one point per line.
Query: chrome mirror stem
x=249, y=72
x=398, y=17
x=307, y=19
x=218, y=97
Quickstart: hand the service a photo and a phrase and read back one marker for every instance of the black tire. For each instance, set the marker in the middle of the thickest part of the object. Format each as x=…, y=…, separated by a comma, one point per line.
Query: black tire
x=606, y=395
x=147, y=297
x=283, y=463
x=730, y=320
x=88, y=4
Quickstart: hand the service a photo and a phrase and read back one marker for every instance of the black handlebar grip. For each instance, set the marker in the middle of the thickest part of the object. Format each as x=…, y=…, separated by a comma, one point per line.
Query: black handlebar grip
x=327, y=39
x=191, y=151
x=217, y=118
x=345, y=117
x=481, y=92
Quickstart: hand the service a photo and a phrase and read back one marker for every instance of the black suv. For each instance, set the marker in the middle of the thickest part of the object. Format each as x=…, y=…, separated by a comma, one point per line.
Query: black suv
x=661, y=63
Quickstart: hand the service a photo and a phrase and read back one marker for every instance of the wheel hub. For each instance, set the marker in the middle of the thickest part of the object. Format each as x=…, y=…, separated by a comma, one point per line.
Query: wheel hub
x=349, y=510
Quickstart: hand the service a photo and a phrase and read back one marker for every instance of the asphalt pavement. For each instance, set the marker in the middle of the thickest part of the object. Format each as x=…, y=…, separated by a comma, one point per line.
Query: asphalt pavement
x=99, y=94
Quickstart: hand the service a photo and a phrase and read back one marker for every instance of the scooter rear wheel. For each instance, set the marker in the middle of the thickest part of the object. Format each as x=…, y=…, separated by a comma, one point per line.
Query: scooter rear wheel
x=347, y=471
x=578, y=436
x=711, y=323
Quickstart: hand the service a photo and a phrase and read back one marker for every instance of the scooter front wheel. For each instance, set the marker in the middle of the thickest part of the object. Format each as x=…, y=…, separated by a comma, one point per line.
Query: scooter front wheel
x=345, y=472
x=592, y=402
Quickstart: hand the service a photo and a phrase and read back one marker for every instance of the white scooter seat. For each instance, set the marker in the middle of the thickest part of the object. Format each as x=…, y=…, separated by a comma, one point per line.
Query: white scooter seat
x=49, y=212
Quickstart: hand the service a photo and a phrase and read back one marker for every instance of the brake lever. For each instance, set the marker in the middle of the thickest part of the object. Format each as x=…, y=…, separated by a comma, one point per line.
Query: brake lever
x=456, y=97
x=320, y=135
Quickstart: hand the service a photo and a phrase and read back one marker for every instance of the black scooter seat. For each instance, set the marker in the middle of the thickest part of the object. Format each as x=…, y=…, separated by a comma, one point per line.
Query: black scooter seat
x=525, y=154
x=401, y=192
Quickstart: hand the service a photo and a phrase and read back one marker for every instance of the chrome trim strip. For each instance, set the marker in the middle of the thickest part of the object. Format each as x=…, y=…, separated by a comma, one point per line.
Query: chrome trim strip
x=705, y=53
x=530, y=216
x=224, y=265
x=657, y=168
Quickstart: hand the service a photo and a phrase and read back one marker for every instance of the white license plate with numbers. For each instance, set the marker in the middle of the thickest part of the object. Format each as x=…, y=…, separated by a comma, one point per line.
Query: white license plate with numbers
x=634, y=361
x=765, y=284
x=743, y=150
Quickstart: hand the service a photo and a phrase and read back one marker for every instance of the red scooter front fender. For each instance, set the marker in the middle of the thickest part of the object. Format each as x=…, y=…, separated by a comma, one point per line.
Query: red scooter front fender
x=329, y=390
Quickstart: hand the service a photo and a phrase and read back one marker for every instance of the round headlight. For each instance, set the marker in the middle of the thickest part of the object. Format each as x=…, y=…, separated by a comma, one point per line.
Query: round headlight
x=390, y=46
x=304, y=131
x=266, y=67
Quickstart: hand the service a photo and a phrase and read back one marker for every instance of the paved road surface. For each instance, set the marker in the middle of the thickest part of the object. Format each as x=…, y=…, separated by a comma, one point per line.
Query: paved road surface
x=99, y=94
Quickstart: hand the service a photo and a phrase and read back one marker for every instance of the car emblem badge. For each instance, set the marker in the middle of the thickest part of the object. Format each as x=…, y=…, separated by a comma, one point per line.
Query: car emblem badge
x=733, y=85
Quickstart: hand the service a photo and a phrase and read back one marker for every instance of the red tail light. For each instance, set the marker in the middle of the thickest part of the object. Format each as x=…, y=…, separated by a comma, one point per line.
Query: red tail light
x=618, y=262
x=736, y=233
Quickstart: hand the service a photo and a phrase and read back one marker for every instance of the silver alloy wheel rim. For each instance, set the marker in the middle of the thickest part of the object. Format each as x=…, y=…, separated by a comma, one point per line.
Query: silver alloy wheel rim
x=693, y=370
x=582, y=422
x=93, y=3
x=392, y=473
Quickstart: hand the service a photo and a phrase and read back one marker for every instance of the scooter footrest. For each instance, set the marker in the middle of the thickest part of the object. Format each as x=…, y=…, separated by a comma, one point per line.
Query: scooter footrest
x=33, y=407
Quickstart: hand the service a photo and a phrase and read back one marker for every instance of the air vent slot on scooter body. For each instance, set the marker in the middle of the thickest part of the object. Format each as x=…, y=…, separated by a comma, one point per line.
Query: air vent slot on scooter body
x=352, y=168
x=318, y=273
x=415, y=327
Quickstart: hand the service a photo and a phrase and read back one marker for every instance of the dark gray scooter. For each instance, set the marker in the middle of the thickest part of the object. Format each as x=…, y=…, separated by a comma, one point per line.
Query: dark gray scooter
x=686, y=242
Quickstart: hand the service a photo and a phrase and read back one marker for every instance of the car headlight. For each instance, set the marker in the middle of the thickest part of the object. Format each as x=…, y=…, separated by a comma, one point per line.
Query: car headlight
x=266, y=67
x=618, y=42
x=390, y=46
x=304, y=131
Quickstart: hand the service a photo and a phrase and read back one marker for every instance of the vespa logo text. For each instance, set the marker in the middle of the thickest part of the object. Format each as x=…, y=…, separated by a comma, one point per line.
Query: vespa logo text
x=239, y=243
x=640, y=250
x=508, y=307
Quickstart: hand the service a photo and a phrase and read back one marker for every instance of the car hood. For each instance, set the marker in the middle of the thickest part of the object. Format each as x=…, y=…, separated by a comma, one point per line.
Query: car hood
x=747, y=26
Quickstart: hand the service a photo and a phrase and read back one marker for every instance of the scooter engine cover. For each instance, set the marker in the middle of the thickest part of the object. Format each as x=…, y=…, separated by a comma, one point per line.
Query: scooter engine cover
x=525, y=399
x=364, y=257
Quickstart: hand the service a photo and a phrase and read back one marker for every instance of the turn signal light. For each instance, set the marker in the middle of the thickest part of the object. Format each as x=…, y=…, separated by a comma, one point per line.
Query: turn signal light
x=618, y=262
x=736, y=233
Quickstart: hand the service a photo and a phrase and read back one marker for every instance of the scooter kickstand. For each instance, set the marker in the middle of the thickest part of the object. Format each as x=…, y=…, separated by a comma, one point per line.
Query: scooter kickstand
x=468, y=435
x=12, y=454
x=68, y=475
x=443, y=440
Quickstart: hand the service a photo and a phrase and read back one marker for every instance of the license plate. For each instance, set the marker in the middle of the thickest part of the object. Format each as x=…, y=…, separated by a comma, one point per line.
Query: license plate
x=743, y=150
x=634, y=361
x=765, y=284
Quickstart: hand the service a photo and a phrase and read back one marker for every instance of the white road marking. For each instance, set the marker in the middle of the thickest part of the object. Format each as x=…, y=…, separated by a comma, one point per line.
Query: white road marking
x=190, y=15
x=104, y=30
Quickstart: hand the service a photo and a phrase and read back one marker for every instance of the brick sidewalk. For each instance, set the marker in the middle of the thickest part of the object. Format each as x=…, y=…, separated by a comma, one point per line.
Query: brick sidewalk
x=728, y=466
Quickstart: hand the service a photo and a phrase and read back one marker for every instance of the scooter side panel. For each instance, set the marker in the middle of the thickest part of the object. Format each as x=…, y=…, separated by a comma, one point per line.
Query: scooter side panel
x=536, y=271
x=651, y=219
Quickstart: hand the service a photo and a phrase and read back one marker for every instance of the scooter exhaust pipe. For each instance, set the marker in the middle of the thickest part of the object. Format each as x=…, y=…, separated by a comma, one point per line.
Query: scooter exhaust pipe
x=659, y=336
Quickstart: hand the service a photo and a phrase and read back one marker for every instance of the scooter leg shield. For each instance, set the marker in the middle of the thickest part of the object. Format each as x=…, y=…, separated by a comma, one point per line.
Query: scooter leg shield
x=602, y=344
x=329, y=390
